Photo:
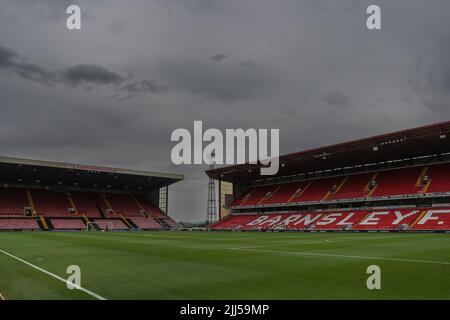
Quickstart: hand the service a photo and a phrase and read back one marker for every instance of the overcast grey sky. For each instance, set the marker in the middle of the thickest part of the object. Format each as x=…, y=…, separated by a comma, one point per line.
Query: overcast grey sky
x=112, y=93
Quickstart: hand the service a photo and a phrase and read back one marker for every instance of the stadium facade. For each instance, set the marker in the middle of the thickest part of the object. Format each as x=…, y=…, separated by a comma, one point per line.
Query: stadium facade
x=43, y=195
x=398, y=181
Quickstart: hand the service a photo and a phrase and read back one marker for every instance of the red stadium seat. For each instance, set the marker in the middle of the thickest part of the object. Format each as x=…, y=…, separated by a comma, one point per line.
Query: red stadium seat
x=115, y=224
x=50, y=203
x=439, y=178
x=433, y=219
x=68, y=224
x=398, y=182
x=85, y=204
x=146, y=223
x=149, y=207
x=13, y=201
x=355, y=186
x=19, y=224
x=383, y=219
x=339, y=220
x=122, y=204
x=389, y=183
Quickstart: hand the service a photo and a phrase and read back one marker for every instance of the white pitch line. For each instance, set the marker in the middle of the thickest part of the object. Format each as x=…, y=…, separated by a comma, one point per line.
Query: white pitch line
x=93, y=294
x=343, y=256
x=2, y=297
x=310, y=240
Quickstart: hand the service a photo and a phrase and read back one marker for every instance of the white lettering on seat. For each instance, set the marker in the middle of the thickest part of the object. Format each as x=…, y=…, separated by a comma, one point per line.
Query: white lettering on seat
x=307, y=219
x=291, y=218
x=372, y=219
x=344, y=221
x=429, y=216
x=257, y=221
x=329, y=219
x=272, y=220
x=400, y=217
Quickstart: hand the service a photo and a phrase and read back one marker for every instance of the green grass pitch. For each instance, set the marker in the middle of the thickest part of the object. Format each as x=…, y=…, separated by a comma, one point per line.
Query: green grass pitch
x=225, y=265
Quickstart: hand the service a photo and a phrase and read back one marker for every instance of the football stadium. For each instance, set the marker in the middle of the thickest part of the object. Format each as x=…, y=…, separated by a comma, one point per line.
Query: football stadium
x=216, y=159
x=310, y=232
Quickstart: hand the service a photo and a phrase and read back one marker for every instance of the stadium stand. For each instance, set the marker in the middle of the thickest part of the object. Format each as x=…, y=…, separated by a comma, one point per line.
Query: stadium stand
x=389, y=182
x=385, y=184
x=43, y=195
x=93, y=205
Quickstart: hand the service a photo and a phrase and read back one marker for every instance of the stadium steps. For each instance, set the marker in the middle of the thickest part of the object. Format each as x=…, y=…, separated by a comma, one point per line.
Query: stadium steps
x=31, y=202
x=99, y=208
x=45, y=223
x=299, y=194
x=367, y=188
x=248, y=196
x=364, y=218
x=422, y=174
x=339, y=187
x=270, y=195
x=419, y=217
x=72, y=203
x=108, y=205
x=427, y=186
x=42, y=224
x=143, y=211
x=127, y=223
x=88, y=221
x=162, y=223
x=130, y=223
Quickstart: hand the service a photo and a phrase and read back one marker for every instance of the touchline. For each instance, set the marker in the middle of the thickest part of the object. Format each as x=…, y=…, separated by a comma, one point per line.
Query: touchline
x=233, y=147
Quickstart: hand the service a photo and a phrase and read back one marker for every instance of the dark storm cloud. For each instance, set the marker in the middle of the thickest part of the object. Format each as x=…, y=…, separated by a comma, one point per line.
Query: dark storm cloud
x=430, y=81
x=8, y=61
x=219, y=57
x=247, y=63
x=87, y=73
x=35, y=73
x=6, y=57
x=337, y=99
x=152, y=86
x=77, y=75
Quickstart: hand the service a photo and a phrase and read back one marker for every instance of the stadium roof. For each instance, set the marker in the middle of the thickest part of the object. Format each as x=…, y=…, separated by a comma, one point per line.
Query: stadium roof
x=38, y=172
x=410, y=143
